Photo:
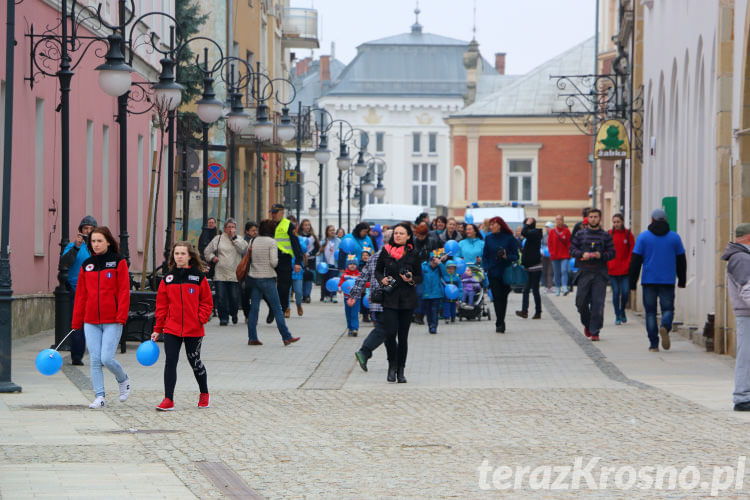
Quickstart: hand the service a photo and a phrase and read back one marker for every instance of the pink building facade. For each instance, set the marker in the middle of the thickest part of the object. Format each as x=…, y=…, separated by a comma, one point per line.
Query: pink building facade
x=94, y=164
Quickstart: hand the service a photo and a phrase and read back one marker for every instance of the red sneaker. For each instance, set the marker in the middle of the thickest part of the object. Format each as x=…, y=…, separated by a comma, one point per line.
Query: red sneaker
x=203, y=400
x=594, y=338
x=166, y=405
x=586, y=332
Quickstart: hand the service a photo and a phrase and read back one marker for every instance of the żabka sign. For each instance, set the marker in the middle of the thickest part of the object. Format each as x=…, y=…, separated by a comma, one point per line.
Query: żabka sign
x=612, y=141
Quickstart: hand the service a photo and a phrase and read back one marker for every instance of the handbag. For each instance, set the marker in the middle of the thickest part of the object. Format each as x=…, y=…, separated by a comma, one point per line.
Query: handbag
x=244, y=265
x=377, y=295
x=514, y=275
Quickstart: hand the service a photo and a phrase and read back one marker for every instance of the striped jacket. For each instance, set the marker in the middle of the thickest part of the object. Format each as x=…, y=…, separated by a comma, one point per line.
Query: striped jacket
x=360, y=284
x=590, y=240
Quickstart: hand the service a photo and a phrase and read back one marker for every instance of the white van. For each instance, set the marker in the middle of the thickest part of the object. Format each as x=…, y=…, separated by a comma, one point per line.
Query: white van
x=391, y=214
x=513, y=216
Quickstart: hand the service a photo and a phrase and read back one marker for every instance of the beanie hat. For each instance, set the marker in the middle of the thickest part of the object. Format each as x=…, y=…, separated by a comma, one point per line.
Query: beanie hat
x=87, y=221
x=351, y=259
x=659, y=214
x=450, y=263
x=742, y=230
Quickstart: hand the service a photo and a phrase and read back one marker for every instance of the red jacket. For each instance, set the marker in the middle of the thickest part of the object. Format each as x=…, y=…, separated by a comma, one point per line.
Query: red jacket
x=559, y=243
x=347, y=273
x=103, y=291
x=183, y=303
x=624, y=242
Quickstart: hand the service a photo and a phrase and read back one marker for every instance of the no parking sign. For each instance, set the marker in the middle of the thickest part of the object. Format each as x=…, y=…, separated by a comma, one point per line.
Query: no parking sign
x=216, y=175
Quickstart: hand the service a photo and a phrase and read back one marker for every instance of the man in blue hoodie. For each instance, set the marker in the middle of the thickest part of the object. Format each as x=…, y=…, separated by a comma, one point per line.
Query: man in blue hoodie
x=662, y=255
x=72, y=257
x=737, y=256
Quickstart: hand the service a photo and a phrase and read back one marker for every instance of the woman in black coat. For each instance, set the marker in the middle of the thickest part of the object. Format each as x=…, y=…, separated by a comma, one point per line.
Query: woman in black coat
x=399, y=269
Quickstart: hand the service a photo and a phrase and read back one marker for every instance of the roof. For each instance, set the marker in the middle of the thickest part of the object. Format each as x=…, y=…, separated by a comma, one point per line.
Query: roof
x=308, y=85
x=535, y=93
x=409, y=64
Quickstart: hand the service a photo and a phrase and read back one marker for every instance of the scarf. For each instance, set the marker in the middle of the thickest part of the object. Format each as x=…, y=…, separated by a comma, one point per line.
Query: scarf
x=396, y=251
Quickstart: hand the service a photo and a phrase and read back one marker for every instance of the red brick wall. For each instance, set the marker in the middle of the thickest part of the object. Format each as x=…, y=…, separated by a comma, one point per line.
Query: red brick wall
x=459, y=154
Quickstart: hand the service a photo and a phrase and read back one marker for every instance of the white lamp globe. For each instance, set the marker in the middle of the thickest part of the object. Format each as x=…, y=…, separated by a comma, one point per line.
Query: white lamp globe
x=322, y=155
x=379, y=192
x=286, y=132
x=114, y=82
x=168, y=98
x=209, y=112
x=263, y=130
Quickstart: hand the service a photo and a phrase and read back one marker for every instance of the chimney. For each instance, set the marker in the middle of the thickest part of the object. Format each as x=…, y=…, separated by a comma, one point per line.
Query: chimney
x=500, y=62
x=302, y=66
x=325, y=69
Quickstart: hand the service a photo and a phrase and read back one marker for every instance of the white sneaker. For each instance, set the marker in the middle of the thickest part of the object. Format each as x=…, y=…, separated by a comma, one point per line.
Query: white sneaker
x=99, y=402
x=125, y=389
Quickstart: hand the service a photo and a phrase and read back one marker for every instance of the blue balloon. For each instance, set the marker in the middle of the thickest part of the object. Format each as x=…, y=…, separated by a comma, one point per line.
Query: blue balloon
x=452, y=292
x=366, y=301
x=451, y=247
x=48, y=362
x=572, y=264
x=332, y=285
x=147, y=353
x=348, y=245
x=545, y=251
x=460, y=265
x=347, y=286
x=303, y=243
x=469, y=219
x=322, y=268
x=336, y=255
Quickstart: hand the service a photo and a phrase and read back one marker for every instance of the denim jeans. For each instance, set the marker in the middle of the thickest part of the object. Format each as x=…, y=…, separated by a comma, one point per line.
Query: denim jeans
x=432, y=309
x=620, y=294
x=102, y=341
x=561, y=267
x=742, y=364
x=228, y=297
x=306, y=288
x=665, y=295
x=297, y=289
x=449, y=309
x=260, y=288
x=352, y=315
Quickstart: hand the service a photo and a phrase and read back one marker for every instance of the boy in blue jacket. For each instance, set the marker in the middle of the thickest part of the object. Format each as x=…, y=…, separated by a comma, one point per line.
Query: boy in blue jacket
x=451, y=278
x=433, y=274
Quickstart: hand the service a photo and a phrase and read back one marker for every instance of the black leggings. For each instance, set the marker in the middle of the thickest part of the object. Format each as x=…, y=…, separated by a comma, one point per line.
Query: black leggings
x=391, y=329
x=172, y=345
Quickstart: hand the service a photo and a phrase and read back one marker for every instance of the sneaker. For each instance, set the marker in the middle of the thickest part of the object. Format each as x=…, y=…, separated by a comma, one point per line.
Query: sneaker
x=166, y=405
x=99, y=402
x=594, y=338
x=354, y=333
x=653, y=349
x=291, y=340
x=618, y=321
x=433, y=330
x=566, y=291
x=742, y=406
x=125, y=389
x=335, y=300
x=361, y=359
x=557, y=292
x=665, y=343
x=204, y=400
x=306, y=300
x=522, y=314
x=586, y=331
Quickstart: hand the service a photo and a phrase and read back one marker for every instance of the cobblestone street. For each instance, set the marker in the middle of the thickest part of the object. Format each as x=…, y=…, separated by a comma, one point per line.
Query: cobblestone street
x=304, y=421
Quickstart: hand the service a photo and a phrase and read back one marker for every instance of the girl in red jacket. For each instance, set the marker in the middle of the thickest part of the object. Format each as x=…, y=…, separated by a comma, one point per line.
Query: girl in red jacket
x=101, y=309
x=558, y=243
x=619, y=266
x=183, y=306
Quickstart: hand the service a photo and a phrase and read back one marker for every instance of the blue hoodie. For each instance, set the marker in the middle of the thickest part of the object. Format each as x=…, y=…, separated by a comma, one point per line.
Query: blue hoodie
x=432, y=281
x=471, y=249
x=83, y=254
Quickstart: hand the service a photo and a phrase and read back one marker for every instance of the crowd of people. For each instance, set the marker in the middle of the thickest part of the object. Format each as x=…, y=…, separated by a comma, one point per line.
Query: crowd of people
x=391, y=277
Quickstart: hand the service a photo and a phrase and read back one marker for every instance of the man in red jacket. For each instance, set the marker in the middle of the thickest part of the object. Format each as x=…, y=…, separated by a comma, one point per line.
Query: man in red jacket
x=558, y=243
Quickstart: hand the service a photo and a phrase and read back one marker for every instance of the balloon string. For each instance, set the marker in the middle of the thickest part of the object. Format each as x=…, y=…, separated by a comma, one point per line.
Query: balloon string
x=64, y=338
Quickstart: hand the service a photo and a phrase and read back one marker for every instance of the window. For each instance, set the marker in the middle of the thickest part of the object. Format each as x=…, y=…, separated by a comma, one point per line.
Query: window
x=39, y=211
x=520, y=177
x=380, y=142
x=520, y=171
x=424, y=184
x=416, y=142
x=432, y=143
x=364, y=139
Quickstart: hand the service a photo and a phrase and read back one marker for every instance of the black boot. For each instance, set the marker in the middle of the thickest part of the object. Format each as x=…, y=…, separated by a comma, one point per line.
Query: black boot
x=391, y=373
x=400, y=375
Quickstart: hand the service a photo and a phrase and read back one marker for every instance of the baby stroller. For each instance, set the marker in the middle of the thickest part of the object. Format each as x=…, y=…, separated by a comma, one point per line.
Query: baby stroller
x=480, y=307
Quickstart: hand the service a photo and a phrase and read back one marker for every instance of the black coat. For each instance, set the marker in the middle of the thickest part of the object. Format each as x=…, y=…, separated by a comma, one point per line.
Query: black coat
x=404, y=296
x=531, y=254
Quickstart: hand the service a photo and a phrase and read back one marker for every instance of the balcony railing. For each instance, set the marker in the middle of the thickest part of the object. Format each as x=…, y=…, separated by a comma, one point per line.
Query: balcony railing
x=299, y=28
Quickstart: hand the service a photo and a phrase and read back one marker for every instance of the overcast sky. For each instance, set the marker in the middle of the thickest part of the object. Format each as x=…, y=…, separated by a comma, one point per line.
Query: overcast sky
x=529, y=31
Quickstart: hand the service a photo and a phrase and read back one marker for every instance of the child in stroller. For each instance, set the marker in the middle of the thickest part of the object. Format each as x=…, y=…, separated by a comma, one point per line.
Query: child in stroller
x=472, y=305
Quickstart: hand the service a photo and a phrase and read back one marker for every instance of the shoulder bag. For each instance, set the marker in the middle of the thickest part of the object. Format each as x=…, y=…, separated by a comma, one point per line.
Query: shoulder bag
x=244, y=265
